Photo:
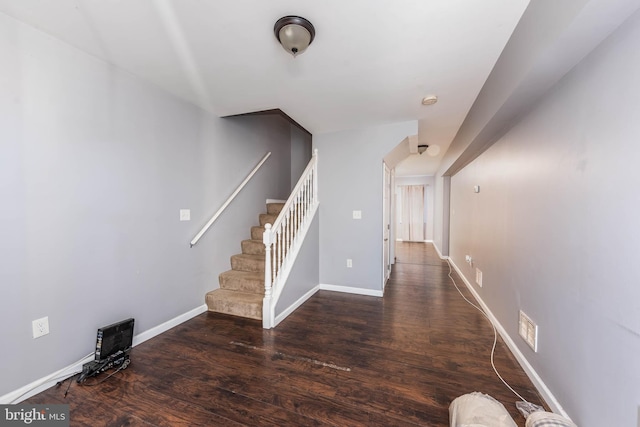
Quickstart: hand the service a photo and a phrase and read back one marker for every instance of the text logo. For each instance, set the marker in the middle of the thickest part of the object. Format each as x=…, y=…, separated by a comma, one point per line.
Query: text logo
x=34, y=415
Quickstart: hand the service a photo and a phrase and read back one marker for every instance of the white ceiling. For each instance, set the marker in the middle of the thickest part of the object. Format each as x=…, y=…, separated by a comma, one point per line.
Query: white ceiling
x=372, y=60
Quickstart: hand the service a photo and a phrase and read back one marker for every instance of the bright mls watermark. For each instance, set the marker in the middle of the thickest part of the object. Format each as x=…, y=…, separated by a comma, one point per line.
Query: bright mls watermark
x=34, y=415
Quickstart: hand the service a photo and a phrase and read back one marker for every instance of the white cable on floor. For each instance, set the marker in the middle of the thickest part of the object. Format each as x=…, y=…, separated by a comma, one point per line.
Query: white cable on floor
x=495, y=334
x=48, y=380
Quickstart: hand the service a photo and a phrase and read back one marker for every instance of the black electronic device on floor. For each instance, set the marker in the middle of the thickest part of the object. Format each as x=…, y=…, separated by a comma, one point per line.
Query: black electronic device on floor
x=113, y=344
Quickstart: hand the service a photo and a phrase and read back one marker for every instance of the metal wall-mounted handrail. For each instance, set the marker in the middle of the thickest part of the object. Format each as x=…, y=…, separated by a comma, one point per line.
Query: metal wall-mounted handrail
x=229, y=200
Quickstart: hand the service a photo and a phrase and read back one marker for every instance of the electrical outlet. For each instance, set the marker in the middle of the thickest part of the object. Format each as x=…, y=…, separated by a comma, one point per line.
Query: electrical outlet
x=468, y=259
x=528, y=331
x=357, y=214
x=185, y=214
x=479, y=277
x=40, y=327
x=349, y=263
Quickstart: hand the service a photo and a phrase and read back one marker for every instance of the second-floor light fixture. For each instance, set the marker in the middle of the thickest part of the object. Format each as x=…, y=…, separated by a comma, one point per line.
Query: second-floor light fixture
x=294, y=33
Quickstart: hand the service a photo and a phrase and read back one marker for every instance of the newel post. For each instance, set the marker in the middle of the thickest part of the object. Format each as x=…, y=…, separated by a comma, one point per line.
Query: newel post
x=267, y=321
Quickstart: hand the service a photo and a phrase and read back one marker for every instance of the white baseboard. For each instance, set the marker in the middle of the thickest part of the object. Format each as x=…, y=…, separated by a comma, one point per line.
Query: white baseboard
x=438, y=251
x=280, y=317
x=43, y=383
x=351, y=290
x=520, y=357
x=157, y=330
x=47, y=381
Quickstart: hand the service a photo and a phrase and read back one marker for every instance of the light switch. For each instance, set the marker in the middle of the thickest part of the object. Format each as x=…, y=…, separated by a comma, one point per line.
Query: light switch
x=357, y=214
x=185, y=214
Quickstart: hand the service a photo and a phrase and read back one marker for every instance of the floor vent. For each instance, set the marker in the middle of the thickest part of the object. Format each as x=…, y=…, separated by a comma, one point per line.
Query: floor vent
x=528, y=331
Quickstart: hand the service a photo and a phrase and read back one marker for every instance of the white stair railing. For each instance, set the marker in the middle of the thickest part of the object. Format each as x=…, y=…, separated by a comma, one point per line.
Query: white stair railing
x=283, y=239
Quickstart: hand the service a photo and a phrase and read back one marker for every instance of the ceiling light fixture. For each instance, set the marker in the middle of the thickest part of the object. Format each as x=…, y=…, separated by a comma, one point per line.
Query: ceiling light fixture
x=433, y=150
x=294, y=33
x=429, y=100
x=422, y=148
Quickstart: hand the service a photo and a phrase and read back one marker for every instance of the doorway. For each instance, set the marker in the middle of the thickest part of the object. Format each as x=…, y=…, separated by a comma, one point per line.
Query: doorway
x=410, y=215
x=386, y=223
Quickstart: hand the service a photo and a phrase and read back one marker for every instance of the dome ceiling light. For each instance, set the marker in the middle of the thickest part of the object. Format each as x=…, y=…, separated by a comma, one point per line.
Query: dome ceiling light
x=431, y=150
x=429, y=100
x=294, y=33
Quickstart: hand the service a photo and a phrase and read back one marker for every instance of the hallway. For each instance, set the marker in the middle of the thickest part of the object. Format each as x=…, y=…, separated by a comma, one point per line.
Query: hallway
x=340, y=359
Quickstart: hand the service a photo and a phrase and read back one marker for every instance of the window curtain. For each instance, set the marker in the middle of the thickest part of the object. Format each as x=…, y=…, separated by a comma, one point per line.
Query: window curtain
x=412, y=219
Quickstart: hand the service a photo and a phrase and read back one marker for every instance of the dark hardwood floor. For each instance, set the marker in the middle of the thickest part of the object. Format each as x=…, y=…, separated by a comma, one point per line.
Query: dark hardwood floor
x=339, y=360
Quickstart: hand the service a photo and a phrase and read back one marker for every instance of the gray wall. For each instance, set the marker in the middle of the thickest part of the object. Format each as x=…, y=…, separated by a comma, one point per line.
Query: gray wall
x=555, y=231
x=305, y=273
x=94, y=168
x=549, y=40
x=442, y=216
x=301, y=151
x=428, y=182
x=350, y=176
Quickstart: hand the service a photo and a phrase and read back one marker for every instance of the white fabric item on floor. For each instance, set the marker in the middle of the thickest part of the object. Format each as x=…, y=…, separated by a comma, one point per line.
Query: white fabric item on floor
x=478, y=410
x=548, y=419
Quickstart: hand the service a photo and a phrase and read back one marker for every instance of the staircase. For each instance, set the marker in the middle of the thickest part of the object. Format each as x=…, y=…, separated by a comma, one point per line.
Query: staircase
x=242, y=288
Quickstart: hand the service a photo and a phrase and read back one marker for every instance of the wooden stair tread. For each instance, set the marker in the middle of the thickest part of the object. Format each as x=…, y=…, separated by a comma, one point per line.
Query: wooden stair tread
x=246, y=262
x=274, y=208
x=257, y=232
x=253, y=257
x=253, y=247
x=236, y=303
x=250, y=275
x=247, y=297
x=267, y=219
x=243, y=281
